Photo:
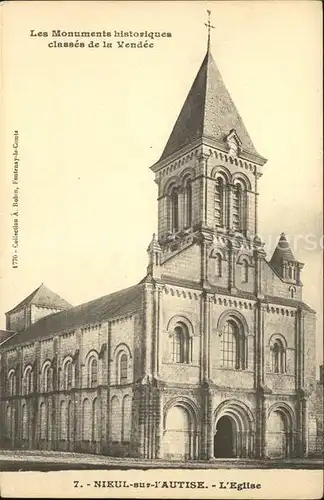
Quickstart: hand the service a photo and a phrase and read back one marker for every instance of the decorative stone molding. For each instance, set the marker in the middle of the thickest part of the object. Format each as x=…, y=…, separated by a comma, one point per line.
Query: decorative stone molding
x=121, y=319
x=184, y=294
x=238, y=162
x=280, y=310
x=66, y=334
x=178, y=163
x=89, y=328
x=236, y=303
x=223, y=156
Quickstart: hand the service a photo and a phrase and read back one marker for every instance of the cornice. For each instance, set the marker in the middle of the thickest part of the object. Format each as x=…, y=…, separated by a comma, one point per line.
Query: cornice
x=244, y=157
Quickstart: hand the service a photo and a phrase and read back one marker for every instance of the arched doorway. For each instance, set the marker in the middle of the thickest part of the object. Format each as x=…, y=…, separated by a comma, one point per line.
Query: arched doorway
x=224, y=438
x=234, y=430
x=277, y=435
x=178, y=435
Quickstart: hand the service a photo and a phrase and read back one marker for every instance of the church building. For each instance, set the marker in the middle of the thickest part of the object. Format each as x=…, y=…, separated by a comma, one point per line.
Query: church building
x=211, y=354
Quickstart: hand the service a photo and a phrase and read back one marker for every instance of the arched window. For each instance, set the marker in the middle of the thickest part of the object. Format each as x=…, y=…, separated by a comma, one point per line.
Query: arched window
x=291, y=271
x=123, y=368
x=236, y=208
x=232, y=346
x=68, y=374
x=27, y=381
x=123, y=364
x=47, y=379
x=239, y=207
x=220, y=202
x=245, y=271
x=181, y=345
x=292, y=291
x=12, y=383
x=174, y=209
x=278, y=357
x=187, y=203
x=93, y=372
x=218, y=265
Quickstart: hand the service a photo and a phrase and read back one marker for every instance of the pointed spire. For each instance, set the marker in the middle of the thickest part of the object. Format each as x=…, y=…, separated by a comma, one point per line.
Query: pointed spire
x=154, y=246
x=154, y=252
x=208, y=112
x=282, y=250
x=284, y=262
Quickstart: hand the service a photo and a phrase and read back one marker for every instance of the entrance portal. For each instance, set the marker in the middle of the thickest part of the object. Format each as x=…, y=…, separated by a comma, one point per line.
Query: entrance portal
x=223, y=439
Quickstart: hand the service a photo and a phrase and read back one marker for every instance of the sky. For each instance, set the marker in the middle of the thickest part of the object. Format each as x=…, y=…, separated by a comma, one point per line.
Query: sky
x=91, y=122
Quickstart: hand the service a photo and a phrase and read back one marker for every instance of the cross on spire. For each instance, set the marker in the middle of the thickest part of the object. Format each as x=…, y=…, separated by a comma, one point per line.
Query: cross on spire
x=209, y=26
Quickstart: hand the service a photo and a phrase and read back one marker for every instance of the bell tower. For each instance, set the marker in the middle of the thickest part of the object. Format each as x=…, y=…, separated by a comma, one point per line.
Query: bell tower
x=208, y=174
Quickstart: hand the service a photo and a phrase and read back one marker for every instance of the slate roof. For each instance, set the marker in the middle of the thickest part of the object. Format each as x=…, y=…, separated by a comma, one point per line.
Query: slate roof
x=282, y=252
x=5, y=334
x=208, y=112
x=282, y=301
x=115, y=304
x=43, y=296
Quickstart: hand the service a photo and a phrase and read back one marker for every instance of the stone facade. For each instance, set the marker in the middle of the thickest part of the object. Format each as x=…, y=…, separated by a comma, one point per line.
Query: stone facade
x=210, y=355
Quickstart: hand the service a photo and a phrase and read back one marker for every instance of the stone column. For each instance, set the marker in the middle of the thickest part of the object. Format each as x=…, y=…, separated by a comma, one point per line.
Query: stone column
x=108, y=382
x=250, y=444
x=148, y=327
x=156, y=337
x=205, y=335
x=210, y=434
x=263, y=441
x=145, y=418
x=141, y=422
x=231, y=266
x=207, y=437
x=259, y=380
x=210, y=325
x=256, y=196
x=164, y=223
x=304, y=410
x=76, y=393
x=36, y=388
x=159, y=424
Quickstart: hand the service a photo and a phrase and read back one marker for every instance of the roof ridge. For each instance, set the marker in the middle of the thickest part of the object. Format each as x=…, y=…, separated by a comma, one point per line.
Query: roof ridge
x=25, y=300
x=207, y=56
x=121, y=302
